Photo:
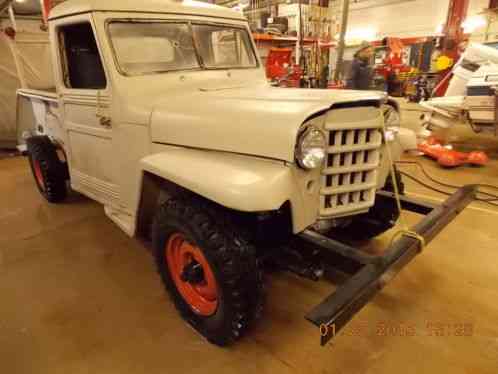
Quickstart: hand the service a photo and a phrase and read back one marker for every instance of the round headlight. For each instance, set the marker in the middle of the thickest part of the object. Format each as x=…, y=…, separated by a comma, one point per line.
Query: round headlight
x=310, y=150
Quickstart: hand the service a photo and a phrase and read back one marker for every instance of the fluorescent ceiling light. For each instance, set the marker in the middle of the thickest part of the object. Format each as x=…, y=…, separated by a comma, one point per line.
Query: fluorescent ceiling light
x=440, y=29
x=473, y=23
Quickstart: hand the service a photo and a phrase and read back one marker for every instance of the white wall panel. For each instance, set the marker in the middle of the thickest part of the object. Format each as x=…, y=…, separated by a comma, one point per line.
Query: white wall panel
x=402, y=18
x=405, y=18
x=484, y=33
x=477, y=6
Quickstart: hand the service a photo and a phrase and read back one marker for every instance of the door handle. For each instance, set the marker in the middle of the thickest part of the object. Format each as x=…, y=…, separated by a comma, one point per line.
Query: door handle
x=105, y=122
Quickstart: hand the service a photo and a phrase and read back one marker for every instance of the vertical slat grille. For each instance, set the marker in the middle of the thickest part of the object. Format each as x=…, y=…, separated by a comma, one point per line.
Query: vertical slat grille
x=349, y=177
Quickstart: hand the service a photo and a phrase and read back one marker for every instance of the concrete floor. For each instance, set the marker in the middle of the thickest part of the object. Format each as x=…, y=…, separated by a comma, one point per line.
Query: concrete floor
x=79, y=296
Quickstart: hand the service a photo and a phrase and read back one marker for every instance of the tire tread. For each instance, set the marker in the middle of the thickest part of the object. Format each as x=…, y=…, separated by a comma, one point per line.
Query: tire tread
x=226, y=243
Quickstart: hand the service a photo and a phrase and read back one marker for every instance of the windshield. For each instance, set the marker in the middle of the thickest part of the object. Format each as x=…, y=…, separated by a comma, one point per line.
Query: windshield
x=155, y=47
x=223, y=46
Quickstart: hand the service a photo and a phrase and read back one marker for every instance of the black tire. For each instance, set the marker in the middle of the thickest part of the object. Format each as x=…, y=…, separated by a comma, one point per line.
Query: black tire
x=49, y=172
x=380, y=218
x=232, y=260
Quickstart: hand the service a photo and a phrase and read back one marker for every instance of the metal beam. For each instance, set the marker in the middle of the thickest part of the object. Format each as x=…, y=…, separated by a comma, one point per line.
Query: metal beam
x=342, y=40
x=12, y=18
x=333, y=313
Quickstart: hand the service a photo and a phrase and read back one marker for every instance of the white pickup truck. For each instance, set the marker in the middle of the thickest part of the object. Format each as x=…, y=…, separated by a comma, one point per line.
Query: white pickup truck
x=162, y=113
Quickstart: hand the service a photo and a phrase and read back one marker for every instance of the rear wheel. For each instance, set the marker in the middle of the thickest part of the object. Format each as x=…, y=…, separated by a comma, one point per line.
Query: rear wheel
x=49, y=172
x=208, y=267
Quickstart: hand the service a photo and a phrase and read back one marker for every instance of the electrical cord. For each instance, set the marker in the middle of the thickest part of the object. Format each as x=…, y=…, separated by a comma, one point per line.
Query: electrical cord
x=491, y=200
x=421, y=167
x=487, y=201
x=405, y=230
x=423, y=184
x=432, y=179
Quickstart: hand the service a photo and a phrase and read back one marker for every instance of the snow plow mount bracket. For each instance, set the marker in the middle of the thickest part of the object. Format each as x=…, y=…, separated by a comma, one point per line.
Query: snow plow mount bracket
x=372, y=272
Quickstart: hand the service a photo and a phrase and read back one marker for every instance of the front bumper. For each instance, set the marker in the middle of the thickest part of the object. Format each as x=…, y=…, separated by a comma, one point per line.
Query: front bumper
x=369, y=274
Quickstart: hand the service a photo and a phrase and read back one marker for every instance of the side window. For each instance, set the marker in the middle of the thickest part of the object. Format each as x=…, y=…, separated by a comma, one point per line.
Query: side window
x=81, y=63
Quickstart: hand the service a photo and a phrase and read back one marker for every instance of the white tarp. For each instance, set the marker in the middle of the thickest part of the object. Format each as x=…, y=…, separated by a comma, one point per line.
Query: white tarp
x=24, y=63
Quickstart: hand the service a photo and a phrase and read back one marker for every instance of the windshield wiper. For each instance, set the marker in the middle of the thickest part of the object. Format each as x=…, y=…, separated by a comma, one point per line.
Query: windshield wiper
x=196, y=46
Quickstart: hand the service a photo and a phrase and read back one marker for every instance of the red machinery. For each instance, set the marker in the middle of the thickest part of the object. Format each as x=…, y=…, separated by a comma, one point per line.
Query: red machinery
x=435, y=149
x=280, y=68
x=277, y=62
x=453, y=37
x=390, y=66
x=393, y=60
x=46, y=6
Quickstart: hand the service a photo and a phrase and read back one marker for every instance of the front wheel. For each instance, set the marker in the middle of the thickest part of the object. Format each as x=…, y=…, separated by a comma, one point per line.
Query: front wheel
x=210, y=271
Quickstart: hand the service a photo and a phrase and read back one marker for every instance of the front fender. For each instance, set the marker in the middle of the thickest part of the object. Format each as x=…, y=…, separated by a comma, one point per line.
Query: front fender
x=240, y=182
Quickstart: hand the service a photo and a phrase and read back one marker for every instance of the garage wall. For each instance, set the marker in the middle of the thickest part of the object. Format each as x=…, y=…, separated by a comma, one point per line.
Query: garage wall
x=477, y=6
x=31, y=47
x=23, y=24
x=402, y=18
x=488, y=32
x=405, y=18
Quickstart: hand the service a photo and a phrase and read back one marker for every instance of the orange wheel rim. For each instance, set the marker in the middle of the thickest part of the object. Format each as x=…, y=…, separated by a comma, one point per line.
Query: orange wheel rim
x=38, y=174
x=192, y=275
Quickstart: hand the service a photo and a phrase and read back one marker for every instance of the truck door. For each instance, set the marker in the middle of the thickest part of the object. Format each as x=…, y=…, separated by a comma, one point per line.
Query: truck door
x=85, y=96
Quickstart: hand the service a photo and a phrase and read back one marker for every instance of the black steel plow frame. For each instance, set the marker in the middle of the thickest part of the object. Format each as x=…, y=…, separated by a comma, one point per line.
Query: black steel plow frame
x=374, y=272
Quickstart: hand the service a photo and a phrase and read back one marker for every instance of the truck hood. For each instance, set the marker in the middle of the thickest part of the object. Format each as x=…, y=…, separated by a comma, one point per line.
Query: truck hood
x=260, y=120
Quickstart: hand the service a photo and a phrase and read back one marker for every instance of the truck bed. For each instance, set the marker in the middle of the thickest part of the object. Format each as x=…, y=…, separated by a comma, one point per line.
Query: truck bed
x=37, y=113
x=49, y=95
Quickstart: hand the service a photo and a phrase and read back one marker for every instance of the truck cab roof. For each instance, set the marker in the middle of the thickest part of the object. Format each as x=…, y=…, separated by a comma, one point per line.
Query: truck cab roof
x=188, y=7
